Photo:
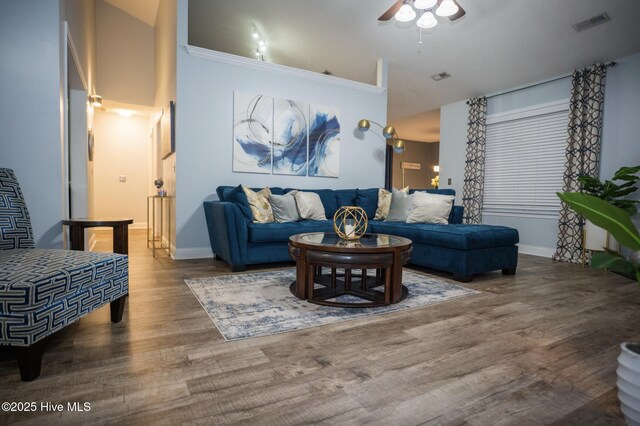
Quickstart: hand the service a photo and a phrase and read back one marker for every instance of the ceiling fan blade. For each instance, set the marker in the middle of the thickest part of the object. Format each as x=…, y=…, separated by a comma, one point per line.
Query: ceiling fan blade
x=391, y=11
x=459, y=14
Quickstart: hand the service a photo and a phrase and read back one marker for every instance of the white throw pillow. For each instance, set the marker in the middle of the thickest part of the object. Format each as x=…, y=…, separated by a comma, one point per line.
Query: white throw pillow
x=401, y=205
x=284, y=207
x=309, y=205
x=430, y=208
x=384, y=202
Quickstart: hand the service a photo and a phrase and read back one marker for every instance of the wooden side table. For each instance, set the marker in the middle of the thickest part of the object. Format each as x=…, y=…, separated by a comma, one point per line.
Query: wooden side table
x=120, y=231
x=164, y=208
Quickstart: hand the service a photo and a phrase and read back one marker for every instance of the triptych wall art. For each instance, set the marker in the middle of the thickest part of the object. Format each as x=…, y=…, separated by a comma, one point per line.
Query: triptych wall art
x=285, y=137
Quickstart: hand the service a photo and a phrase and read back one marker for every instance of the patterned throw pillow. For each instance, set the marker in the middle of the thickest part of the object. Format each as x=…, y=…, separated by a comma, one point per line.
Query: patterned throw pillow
x=259, y=204
x=384, y=202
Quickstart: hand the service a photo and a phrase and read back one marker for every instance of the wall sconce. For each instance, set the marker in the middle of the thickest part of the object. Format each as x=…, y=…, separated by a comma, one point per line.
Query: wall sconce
x=436, y=168
x=389, y=132
x=95, y=100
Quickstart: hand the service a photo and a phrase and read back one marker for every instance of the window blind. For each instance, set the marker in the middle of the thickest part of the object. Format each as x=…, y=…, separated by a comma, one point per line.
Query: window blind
x=524, y=162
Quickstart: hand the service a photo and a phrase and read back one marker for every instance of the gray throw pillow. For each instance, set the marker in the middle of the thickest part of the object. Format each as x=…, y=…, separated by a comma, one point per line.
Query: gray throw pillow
x=400, y=208
x=284, y=207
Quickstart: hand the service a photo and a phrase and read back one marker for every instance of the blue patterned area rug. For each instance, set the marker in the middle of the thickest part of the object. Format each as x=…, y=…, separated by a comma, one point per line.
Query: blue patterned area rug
x=259, y=304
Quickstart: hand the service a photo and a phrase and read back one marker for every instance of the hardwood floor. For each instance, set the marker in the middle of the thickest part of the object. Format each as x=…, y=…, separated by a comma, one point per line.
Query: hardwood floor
x=539, y=347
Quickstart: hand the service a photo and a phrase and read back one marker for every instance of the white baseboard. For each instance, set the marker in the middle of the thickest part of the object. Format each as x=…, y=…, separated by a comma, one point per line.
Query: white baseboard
x=536, y=250
x=138, y=225
x=192, y=253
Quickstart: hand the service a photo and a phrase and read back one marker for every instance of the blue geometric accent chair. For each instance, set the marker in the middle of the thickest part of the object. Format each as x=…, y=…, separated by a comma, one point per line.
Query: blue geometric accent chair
x=44, y=290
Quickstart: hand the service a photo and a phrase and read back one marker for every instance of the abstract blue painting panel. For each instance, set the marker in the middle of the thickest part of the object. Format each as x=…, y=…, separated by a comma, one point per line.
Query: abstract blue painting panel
x=290, y=120
x=252, y=133
x=324, y=141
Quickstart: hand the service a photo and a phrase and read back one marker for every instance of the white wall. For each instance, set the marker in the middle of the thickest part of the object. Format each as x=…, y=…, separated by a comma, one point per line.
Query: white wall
x=453, y=145
x=125, y=47
x=32, y=88
x=620, y=146
x=621, y=126
x=122, y=148
x=204, y=128
x=30, y=110
x=165, y=85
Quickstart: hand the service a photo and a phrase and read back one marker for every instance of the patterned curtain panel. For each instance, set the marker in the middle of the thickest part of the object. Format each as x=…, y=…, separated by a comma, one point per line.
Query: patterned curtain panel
x=474, y=167
x=583, y=154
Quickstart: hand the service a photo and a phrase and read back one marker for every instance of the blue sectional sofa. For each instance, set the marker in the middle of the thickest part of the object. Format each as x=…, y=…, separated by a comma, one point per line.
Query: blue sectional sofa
x=462, y=250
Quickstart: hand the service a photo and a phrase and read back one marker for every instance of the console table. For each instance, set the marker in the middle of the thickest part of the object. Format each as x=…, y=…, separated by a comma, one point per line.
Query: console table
x=163, y=203
x=120, y=231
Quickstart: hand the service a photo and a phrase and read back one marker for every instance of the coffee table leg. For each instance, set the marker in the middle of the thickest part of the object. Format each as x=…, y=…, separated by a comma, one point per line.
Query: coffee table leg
x=301, y=272
x=387, y=287
x=310, y=272
x=396, y=277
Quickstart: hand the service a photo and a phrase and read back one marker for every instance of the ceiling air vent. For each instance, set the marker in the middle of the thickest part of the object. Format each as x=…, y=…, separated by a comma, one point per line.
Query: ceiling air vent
x=591, y=22
x=441, y=76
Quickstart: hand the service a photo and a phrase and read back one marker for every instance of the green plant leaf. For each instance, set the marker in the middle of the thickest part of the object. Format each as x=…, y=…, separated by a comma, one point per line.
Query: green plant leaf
x=605, y=215
x=614, y=262
x=627, y=173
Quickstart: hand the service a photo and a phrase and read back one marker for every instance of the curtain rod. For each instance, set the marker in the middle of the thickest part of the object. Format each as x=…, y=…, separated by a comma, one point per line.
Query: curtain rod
x=528, y=86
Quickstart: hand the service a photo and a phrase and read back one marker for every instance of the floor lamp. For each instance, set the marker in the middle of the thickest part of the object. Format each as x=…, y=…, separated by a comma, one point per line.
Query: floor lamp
x=388, y=132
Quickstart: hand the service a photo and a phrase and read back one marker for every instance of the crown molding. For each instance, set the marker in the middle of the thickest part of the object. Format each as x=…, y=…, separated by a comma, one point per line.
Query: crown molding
x=200, y=52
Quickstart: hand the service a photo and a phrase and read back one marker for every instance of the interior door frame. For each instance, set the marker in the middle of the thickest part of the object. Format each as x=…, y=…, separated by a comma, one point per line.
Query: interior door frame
x=74, y=144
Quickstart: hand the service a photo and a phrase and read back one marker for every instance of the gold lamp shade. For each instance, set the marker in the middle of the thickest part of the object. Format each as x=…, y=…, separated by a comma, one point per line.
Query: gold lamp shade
x=363, y=125
x=398, y=146
x=388, y=132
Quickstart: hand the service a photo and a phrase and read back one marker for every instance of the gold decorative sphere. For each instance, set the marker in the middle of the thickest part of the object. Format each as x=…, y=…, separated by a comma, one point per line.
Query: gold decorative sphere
x=350, y=222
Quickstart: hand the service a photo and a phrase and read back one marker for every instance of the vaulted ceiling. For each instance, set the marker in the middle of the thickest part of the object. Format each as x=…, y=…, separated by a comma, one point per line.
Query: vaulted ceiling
x=499, y=44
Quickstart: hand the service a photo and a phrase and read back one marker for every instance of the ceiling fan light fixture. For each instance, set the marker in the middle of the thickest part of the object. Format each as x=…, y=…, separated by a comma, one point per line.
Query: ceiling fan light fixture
x=447, y=8
x=424, y=4
x=427, y=20
x=406, y=13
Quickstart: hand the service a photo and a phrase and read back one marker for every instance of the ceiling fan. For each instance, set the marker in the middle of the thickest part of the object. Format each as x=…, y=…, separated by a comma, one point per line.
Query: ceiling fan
x=404, y=12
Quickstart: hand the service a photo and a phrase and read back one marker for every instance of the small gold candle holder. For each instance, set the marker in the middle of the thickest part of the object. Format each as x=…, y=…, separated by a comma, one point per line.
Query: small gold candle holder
x=350, y=222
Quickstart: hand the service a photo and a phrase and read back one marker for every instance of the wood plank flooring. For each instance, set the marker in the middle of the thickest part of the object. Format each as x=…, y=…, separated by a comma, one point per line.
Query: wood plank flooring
x=536, y=348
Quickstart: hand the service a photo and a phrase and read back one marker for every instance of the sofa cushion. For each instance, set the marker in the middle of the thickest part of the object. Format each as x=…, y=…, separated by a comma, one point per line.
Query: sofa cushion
x=259, y=204
x=367, y=199
x=279, y=232
x=309, y=205
x=462, y=237
x=346, y=197
x=236, y=195
x=430, y=208
x=443, y=191
x=400, y=206
x=284, y=207
x=328, y=198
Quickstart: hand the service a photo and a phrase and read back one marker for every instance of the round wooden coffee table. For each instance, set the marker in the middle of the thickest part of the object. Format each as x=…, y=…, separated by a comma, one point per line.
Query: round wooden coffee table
x=385, y=254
